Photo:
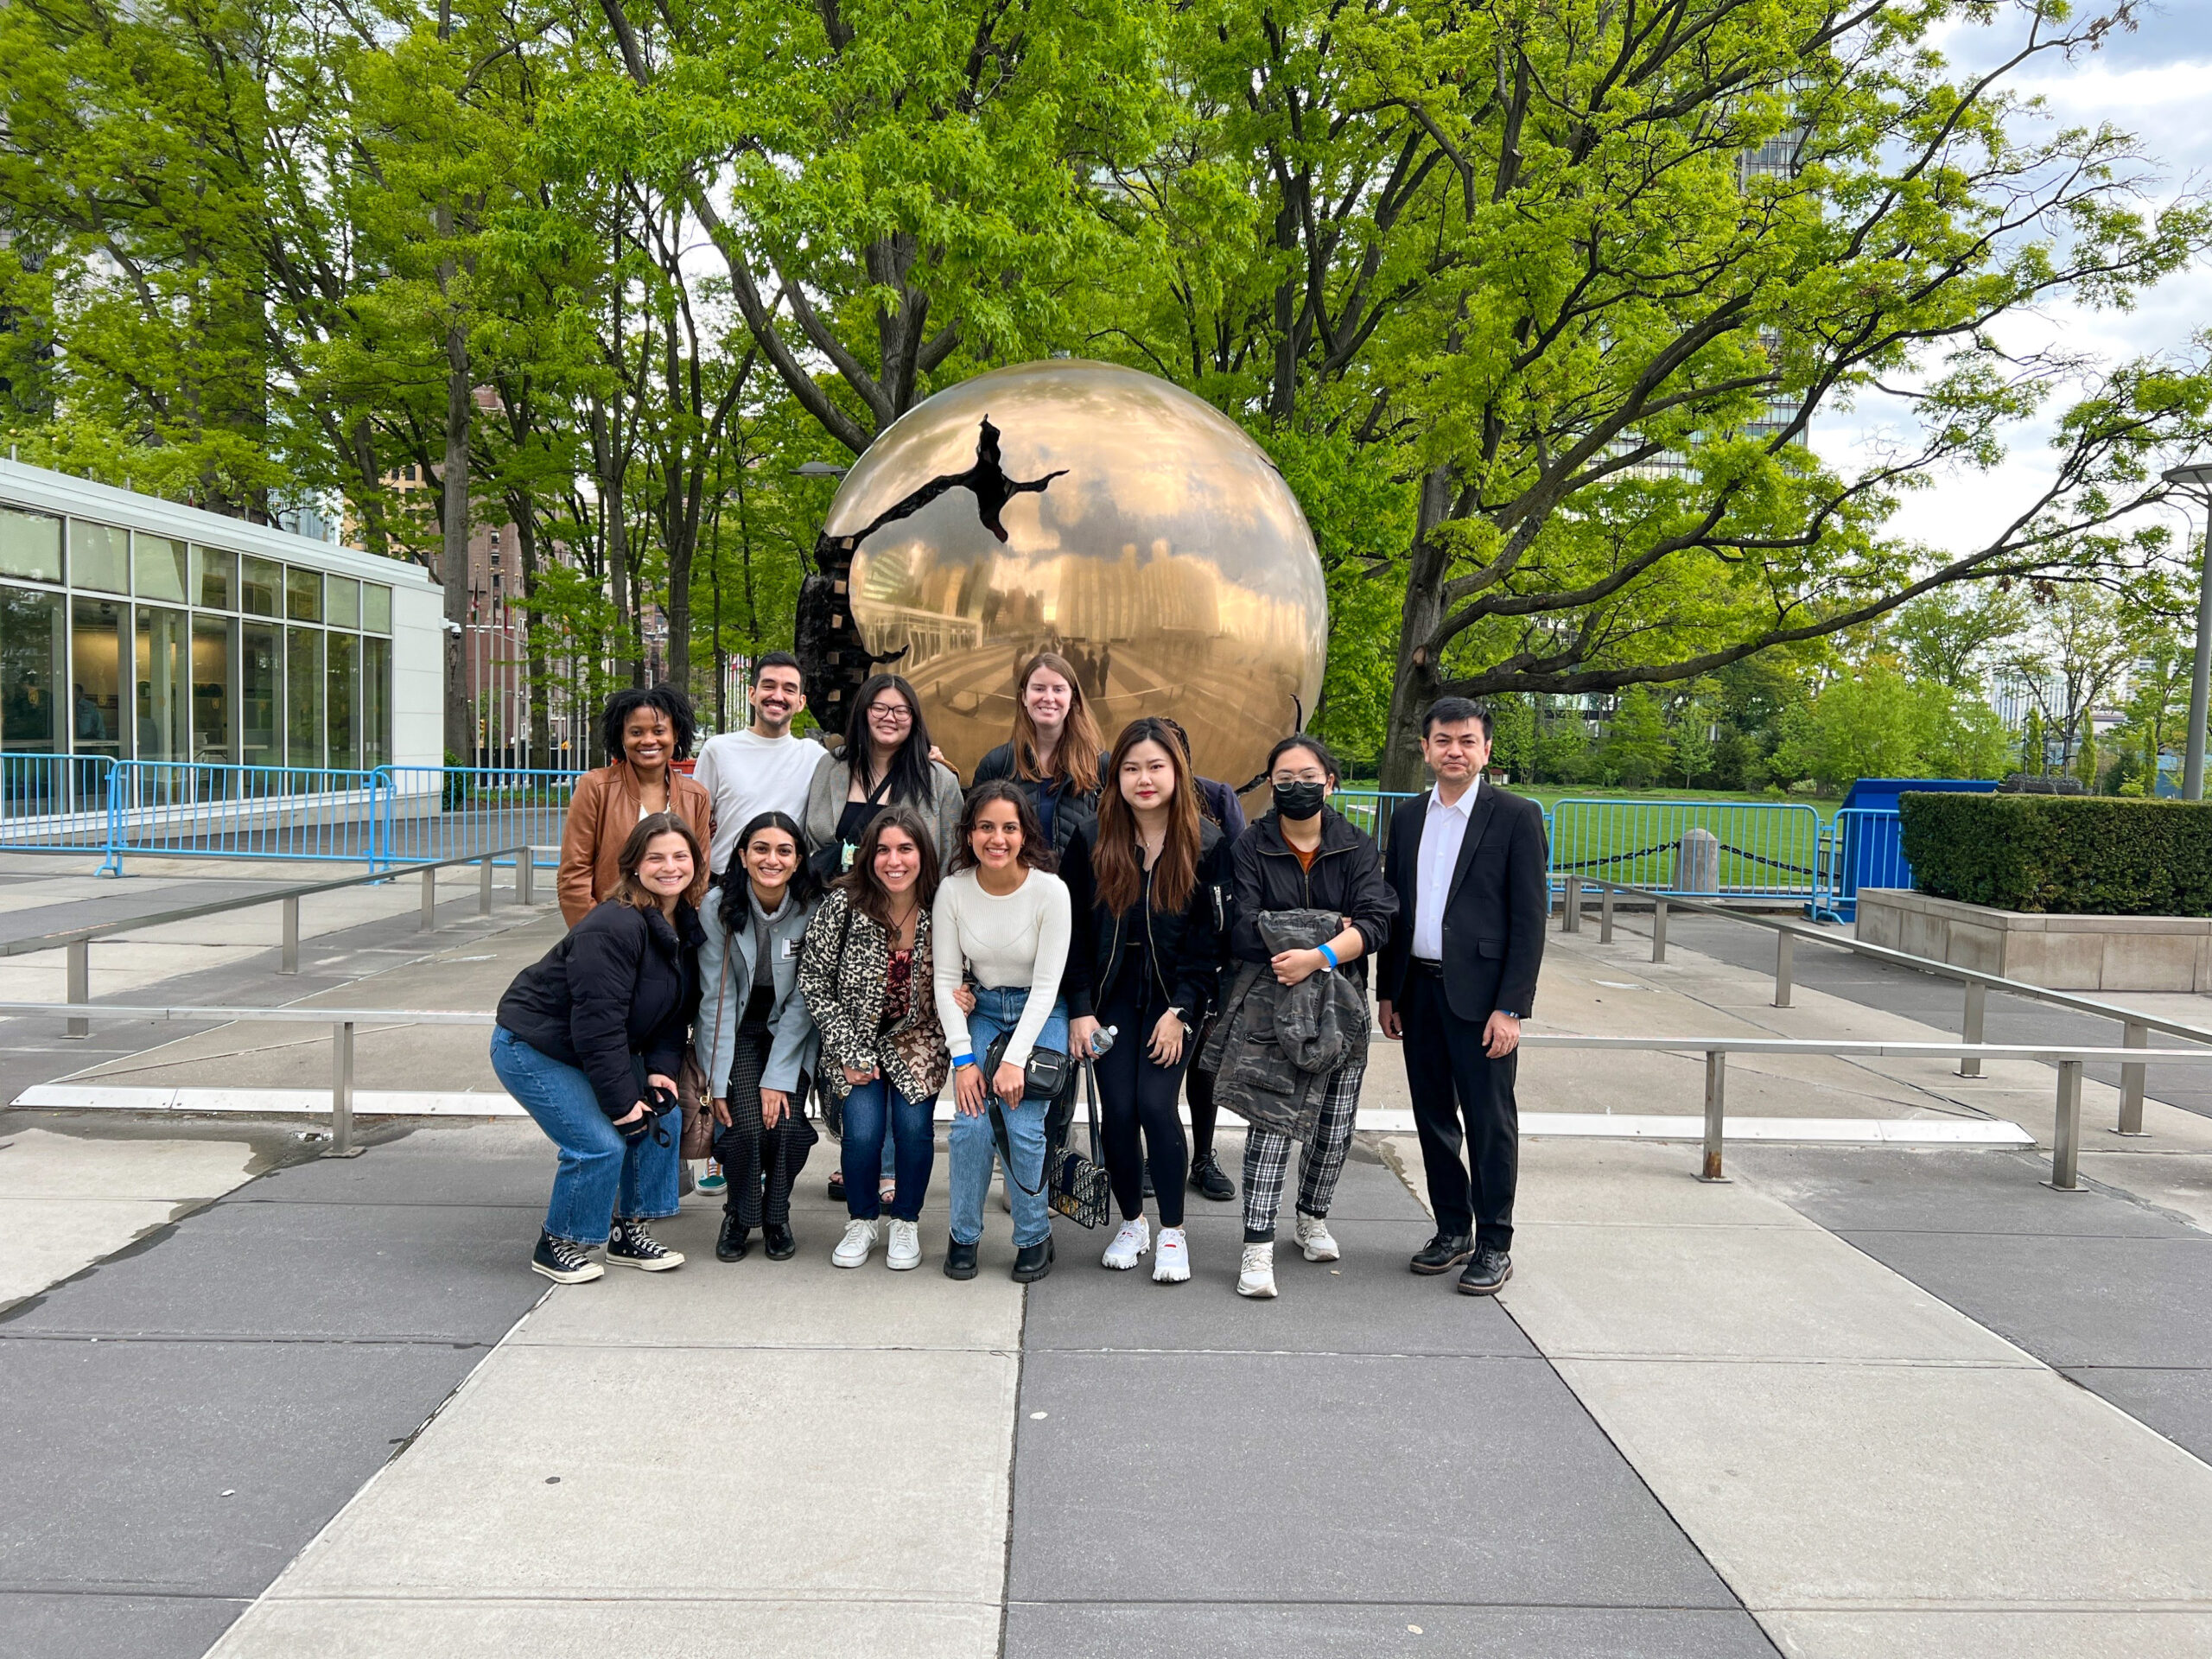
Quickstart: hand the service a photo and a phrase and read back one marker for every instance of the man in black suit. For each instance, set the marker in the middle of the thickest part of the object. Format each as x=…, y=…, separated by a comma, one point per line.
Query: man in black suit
x=1458, y=975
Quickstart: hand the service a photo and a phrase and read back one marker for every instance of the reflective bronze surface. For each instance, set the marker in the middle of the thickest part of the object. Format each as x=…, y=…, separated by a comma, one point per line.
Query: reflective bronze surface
x=1120, y=521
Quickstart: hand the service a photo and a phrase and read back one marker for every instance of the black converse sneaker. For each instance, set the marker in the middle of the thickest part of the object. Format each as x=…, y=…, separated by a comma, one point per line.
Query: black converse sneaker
x=632, y=1246
x=563, y=1263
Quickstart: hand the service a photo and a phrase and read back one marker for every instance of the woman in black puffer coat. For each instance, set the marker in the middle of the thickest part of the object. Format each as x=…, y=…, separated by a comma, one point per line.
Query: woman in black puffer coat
x=589, y=1039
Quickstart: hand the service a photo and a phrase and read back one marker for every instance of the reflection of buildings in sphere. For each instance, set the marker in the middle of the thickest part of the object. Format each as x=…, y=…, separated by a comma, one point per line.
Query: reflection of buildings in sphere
x=1163, y=555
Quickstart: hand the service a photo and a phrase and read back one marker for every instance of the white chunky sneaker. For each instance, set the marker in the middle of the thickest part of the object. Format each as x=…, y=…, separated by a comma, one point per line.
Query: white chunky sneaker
x=1132, y=1241
x=1313, y=1238
x=852, y=1250
x=1258, y=1276
x=1171, y=1263
x=905, y=1250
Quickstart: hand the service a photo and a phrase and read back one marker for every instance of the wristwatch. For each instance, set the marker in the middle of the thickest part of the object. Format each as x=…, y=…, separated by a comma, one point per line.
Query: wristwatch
x=1183, y=1018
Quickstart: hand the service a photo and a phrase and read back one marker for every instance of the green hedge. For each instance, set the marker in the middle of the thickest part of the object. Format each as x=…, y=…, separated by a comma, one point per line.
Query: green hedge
x=2063, y=855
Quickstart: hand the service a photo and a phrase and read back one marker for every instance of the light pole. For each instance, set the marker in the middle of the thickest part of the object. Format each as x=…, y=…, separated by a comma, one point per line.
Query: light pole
x=2196, y=480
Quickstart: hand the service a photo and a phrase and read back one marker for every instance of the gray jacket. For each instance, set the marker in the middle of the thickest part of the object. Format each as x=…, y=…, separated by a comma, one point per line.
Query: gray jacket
x=726, y=984
x=1274, y=1046
x=833, y=781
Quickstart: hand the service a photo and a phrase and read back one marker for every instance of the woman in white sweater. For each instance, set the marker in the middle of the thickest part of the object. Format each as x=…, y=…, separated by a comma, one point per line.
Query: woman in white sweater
x=1002, y=921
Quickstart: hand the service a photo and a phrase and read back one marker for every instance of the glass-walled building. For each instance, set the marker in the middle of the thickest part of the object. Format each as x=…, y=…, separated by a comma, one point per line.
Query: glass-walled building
x=133, y=629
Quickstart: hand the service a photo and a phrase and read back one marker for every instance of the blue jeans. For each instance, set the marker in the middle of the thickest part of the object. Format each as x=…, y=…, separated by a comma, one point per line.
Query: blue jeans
x=598, y=1176
x=910, y=1145
x=975, y=1148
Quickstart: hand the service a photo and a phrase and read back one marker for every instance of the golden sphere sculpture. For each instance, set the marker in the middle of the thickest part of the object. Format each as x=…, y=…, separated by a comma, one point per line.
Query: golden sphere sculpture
x=1083, y=508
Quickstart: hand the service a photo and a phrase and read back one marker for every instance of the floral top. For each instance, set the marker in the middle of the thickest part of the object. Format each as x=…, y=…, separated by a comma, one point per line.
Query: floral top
x=897, y=989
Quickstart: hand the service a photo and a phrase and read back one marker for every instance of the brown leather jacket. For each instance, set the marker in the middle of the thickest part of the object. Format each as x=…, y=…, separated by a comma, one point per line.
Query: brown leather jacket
x=602, y=811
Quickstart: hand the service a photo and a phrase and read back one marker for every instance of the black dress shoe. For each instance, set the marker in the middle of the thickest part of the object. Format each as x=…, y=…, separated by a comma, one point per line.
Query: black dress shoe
x=1443, y=1253
x=1490, y=1269
x=733, y=1242
x=1208, y=1181
x=837, y=1185
x=959, y=1259
x=1032, y=1262
x=781, y=1246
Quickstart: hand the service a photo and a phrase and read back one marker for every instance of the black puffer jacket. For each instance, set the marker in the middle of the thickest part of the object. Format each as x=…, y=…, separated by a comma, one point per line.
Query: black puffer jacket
x=621, y=983
x=1073, y=814
x=1346, y=878
x=1188, y=947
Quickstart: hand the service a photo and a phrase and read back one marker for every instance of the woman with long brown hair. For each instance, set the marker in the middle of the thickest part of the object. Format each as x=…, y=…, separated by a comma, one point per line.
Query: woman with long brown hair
x=866, y=972
x=1147, y=886
x=1057, y=757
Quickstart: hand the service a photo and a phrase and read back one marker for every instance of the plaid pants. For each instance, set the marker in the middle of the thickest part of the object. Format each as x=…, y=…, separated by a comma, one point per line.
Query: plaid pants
x=1267, y=1156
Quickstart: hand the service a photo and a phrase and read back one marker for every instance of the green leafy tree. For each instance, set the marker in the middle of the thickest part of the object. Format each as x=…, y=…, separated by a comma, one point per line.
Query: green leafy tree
x=1637, y=750
x=2085, y=762
x=2035, y=750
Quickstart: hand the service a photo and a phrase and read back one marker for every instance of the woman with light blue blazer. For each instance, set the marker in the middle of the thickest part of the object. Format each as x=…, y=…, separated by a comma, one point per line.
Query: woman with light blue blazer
x=754, y=1039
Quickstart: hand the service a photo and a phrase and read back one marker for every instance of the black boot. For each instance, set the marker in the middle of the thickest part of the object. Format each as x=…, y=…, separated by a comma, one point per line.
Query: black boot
x=1032, y=1262
x=731, y=1244
x=836, y=1186
x=1207, y=1180
x=959, y=1259
x=776, y=1236
x=1443, y=1253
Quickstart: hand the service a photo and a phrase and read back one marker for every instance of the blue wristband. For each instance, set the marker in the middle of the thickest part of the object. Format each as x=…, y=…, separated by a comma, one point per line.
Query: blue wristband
x=959, y=1060
x=1329, y=954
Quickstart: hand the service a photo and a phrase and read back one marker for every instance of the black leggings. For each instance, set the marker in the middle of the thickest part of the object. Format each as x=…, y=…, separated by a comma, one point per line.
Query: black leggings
x=1198, y=1089
x=1135, y=1092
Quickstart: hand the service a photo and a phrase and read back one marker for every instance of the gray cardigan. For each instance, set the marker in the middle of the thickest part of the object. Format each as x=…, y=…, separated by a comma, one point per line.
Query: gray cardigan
x=725, y=984
x=833, y=781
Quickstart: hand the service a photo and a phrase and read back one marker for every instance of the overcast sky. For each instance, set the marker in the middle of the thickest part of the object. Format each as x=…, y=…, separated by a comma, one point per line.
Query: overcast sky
x=2154, y=84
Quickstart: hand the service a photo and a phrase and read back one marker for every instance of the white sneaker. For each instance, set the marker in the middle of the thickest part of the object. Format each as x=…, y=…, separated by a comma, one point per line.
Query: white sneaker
x=1132, y=1241
x=852, y=1250
x=1258, y=1276
x=1171, y=1263
x=905, y=1250
x=1314, y=1239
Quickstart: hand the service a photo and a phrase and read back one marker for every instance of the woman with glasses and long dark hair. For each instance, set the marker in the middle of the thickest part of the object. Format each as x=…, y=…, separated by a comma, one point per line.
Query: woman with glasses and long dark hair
x=865, y=971
x=754, y=1039
x=1146, y=887
x=1056, y=756
x=885, y=761
x=1002, y=922
x=1302, y=856
x=644, y=732
x=588, y=1041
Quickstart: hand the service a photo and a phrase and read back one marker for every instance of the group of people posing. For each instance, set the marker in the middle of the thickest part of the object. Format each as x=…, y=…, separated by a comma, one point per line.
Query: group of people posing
x=795, y=935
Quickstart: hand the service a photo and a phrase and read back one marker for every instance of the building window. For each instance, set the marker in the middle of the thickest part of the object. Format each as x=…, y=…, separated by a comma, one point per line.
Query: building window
x=376, y=702
x=213, y=647
x=303, y=595
x=260, y=586
x=30, y=545
x=261, y=695
x=163, y=731
x=303, y=706
x=96, y=637
x=159, y=565
x=342, y=675
x=99, y=557
x=215, y=579
x=33, y=653
x=342, y=594
x=376, y=608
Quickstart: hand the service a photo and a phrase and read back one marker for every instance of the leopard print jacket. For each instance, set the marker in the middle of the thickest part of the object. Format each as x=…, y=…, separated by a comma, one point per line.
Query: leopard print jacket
x=844, y=996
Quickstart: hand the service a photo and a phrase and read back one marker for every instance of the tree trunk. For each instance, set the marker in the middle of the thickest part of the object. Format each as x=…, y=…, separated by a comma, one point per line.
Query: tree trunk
x=453, y=562
x=1414, y=685
x=522, y=510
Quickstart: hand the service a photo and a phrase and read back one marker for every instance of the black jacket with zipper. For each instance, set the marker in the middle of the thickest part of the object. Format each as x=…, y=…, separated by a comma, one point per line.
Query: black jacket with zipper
x=1186, y=947
x=1346, y=878
x=621, y=983
x=1072, y=814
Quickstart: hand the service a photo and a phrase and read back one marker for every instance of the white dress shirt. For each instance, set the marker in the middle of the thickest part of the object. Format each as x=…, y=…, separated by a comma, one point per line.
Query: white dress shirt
x=1442, y=831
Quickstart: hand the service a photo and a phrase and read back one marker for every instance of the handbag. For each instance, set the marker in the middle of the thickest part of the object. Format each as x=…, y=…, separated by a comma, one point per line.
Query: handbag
x=693, y=1087
x=1074, y=1186
x=1045, y=1074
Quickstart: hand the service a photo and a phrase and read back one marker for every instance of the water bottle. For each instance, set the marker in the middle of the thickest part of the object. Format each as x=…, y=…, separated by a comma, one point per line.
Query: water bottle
x=1102, y=1038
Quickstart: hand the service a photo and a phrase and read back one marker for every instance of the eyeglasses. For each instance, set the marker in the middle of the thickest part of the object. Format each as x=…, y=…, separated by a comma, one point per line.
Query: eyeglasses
x=897, y=712
x=1311, y=775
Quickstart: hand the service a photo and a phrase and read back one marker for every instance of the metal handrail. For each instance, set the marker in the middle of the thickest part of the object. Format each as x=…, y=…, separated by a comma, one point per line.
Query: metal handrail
x=78, y=940
x=2066, y=1138
x=2136, y=1026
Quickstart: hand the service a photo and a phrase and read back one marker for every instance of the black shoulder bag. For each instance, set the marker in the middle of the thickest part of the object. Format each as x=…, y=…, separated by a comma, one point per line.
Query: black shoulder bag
x=1075, y=1186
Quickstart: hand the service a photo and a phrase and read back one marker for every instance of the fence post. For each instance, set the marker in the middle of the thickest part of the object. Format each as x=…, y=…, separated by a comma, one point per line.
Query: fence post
x=1716, y=1100
x=1970, y=1028
x=429, y=902
x=81, y=982
x=1785, y=963
x=1605, y=916
x=525, y=875
x=342, y=1091
x=111, y=864
x=291, y=963
x=1659, y=929
x=2066, y=1134
x=1570, y=919
x=484, y=887
x=2130, y=1079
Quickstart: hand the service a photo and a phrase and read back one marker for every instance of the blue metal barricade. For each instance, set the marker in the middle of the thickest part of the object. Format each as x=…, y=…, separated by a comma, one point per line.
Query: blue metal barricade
x=437, y=812
x=1731, y=849
x=226, y=812
x=1865, y=848
x=54, y=801
x=1370, y=808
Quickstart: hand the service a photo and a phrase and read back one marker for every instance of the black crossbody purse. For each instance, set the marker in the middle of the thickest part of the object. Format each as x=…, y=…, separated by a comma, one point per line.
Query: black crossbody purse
x=1075, y=1186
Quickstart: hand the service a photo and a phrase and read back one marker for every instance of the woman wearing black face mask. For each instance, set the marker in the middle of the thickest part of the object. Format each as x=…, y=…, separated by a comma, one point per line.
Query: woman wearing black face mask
x=1304, y=855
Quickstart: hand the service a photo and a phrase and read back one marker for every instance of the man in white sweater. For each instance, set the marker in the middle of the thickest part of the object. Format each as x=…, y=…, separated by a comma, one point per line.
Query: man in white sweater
x=1004, y=922
x=762, y=768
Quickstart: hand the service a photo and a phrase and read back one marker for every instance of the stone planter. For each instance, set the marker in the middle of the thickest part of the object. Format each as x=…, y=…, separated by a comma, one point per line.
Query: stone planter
x=2061, y=953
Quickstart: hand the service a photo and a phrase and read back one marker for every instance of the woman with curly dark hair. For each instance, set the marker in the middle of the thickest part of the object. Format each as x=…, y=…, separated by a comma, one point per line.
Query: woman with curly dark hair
x=645, y=733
